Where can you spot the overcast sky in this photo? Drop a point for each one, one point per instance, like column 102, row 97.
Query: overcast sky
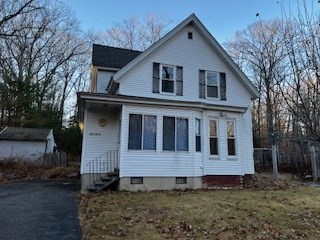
column 221, row 17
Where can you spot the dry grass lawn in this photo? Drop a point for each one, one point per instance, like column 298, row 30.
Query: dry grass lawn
column 11, row 171
column 292, row 213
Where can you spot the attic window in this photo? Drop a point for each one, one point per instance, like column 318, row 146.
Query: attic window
column 190, row 35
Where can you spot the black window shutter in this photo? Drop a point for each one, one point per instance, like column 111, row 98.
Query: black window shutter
column 202, row 84
column 223, row 87
column 156, row 78
column 179, row 81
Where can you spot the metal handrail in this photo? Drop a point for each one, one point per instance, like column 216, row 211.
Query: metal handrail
column 105, row 163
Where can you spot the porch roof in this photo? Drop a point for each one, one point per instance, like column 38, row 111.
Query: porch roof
column 103, row 98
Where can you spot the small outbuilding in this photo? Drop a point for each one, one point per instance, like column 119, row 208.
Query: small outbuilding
column 26, row 144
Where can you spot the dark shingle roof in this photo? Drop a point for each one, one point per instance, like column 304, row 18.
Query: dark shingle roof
column 112, row 57
column 24, row 134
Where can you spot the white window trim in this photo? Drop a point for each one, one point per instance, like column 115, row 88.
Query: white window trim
column 175, row 134
column 217, row 156
column 196, row 135
column 174, row 79
column 218, row 85
column 142, row 133
column 232, row 157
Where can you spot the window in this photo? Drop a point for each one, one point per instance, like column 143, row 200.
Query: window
column 198, row 134
column 168, row 74
column 212, row 82
column 212, row 85
column 213, row 137
column 142, row 132
column 169, row 133
column 231, row 138
column 190, row 36
column 175, row 134
column 167, row 79
column 136, row 180
column 181, row 180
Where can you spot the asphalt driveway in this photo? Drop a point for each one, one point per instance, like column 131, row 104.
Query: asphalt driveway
column 39, row 210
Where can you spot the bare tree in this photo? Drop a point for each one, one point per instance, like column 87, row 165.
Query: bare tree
column 259, row 50
column 11, row 11
column 134, row 34
column 302, row 87
column 33, row 60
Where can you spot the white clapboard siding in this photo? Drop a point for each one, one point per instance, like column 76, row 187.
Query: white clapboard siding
column 103, row 78
column 192, row 55
column 22, row 150
column 247, row 143
column 191, row 163
column 159, row 162
column 50, row 142
column 222, row 164
column 98, row 140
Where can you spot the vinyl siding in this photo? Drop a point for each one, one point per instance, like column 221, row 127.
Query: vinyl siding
column 50, row 142
column 22, row 150
column 103, row 78
column 98, row 140
column 192, row 55
column 158, row 162
column 247, row 143
column 168, row 164
column 222, row 164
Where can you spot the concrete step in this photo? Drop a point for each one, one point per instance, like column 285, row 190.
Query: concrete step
column 106, row 178
column 113, row 174
column 92, row 188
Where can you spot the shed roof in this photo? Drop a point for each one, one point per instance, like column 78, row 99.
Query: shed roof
column 24, row 134
column 112, row 57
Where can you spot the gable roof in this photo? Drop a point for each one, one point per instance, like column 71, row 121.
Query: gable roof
column 112, row 57
column 192, row 19
column 24, row 134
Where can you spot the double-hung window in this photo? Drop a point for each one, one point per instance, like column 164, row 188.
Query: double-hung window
column 142, row 132
column 168, row 78
column 212, row 84
column 198, row 134
column 175, row 134
column 231, row 138
column 213, row 137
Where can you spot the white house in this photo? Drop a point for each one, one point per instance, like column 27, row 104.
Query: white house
column 27, row 144
column 177, row 115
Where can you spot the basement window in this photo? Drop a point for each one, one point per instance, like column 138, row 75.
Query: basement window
column 190, row 35
column 181, row 180
column 137, row 180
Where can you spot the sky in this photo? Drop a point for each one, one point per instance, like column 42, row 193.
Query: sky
column 221, row 17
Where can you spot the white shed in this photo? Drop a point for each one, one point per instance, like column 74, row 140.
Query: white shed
column 26, row 143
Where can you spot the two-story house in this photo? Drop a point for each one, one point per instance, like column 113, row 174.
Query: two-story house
column 177, row 115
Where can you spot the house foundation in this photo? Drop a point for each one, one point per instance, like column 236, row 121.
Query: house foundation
column 160, row 183
column 222, row 181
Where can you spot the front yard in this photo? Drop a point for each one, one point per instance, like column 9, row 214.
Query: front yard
column 292, row 213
